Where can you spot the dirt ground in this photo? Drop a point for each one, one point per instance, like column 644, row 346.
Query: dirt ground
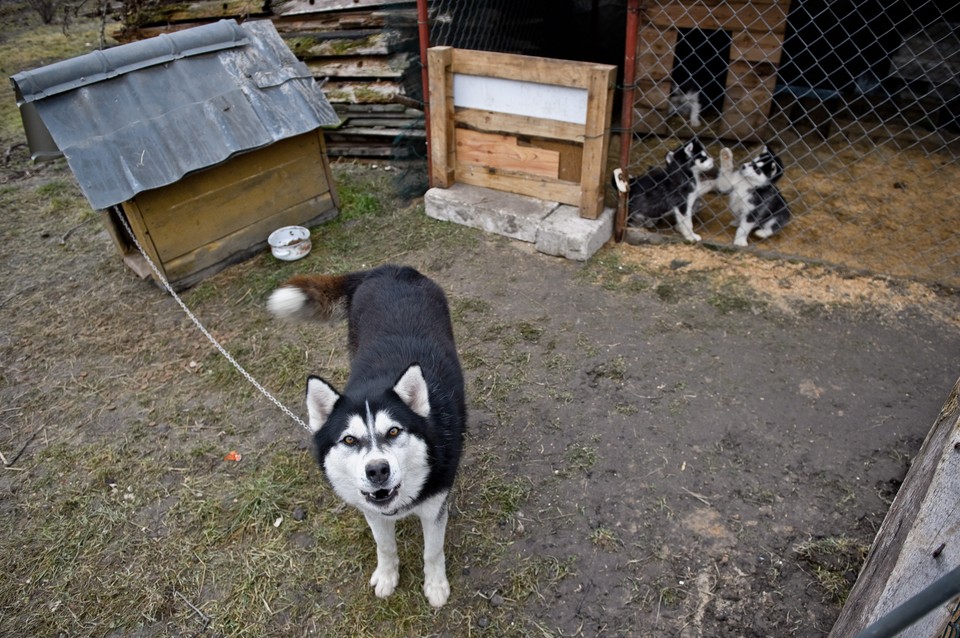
column 664, row 441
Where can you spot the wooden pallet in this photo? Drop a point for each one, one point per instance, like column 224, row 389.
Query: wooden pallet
column 527, row 151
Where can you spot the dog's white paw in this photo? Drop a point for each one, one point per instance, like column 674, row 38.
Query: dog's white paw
column 384, row 581
column 726, row 158
column 437, row 590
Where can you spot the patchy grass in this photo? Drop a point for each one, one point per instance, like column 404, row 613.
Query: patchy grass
column 835, row 562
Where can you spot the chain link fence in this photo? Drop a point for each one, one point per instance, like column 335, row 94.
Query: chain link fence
column 860, row 100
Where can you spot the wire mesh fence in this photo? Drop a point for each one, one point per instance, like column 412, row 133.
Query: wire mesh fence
column 858, row 99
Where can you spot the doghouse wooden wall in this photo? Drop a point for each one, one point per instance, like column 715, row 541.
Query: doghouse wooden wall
column 756, row 34
column 222, row 215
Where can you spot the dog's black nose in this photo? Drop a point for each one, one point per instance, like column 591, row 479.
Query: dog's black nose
column 378, row 472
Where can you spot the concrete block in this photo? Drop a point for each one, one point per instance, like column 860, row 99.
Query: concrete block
column 565, row 234
column 514, row 216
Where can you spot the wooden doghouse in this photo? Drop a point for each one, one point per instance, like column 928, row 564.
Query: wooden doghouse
column 203, row 141
column 521, row 124
column 754, row 33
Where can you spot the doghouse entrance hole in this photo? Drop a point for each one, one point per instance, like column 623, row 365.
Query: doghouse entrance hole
column 701, row 59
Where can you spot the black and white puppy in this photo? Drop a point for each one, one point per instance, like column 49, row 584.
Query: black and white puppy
column 668, row 192
column 390, row 443
column 757, row 204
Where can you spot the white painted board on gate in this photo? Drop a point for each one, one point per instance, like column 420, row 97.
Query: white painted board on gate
column 516, row 97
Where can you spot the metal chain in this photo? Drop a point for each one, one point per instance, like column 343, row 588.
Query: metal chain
column 203, row 330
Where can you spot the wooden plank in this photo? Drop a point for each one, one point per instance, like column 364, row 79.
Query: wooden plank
column 300, row 7
column 200, row 10
column 355, row 91
column 531, row 69
column 518, row 124
column 503, row 153
column 442, row 149
column 653, row 94
column 600, row 91
column 310, row 44
column 756, row 46
column 369, row 66
column 216, row 202
column 919, row 540
column 655, row 49
column 571, row 156
column 728, row 16
column 247, row 240
column 346, row 20
column 381, row 131
column 549, row 190
column 134, row 215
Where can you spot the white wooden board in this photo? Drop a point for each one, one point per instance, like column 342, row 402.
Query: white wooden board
column 546, row 101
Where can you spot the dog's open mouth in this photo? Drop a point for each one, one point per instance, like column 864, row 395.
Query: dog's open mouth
column 382, row 497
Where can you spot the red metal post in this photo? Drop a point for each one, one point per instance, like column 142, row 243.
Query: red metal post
column 626, row 109
column 423, row 28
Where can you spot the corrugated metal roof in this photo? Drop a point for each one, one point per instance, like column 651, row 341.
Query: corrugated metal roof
column 143, row 115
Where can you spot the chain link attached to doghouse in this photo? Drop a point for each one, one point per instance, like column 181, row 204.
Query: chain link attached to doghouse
column 166, row 284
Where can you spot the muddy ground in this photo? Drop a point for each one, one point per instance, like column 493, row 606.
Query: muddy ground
column 664, row 441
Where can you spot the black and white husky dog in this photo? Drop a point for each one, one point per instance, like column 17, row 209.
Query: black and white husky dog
column 668, row 191
column 755, row 201
column 390, row 443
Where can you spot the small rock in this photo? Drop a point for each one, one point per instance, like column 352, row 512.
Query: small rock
column 496, row 601
column 299, row 514
column 483, row 622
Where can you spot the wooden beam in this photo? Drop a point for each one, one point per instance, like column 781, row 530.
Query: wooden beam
column 600, row 97
column 533, row 69
column 442, row 149
column 919, row 540
column 519, row 125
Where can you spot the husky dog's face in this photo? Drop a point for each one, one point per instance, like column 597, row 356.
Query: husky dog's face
column 692, row 154
column 371, row 451
column 766, row 168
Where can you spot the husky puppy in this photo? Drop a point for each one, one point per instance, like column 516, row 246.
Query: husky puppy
column 669, row 191
column 390, row 442
column 755, row 201
column 687, row 104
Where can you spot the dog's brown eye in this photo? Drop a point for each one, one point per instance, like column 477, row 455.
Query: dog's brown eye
column 393, row 432
column 349, row 440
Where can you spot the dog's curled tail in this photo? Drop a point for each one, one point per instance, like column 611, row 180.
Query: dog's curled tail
column 318, row 297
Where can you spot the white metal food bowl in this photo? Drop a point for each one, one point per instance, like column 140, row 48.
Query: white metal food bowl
column 290, row 243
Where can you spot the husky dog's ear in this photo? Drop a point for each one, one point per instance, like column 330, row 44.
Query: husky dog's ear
column 321, row 397
column 669, row 157
column 412, row 390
